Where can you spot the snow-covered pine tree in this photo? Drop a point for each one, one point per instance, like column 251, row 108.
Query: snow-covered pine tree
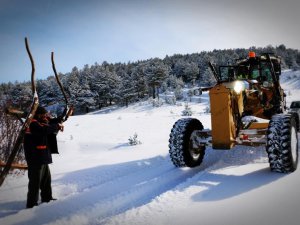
column 178, row 68
column 191, row 72
column 140, row 83
column 81, row 95
column 127, row 91
column 105, row 85
column 208, row 78
column 156, row 72
column 134, row 140
column 187, row 110
column 48, row 90
column 20, row 95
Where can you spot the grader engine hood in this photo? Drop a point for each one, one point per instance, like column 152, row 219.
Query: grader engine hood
column 226, row 101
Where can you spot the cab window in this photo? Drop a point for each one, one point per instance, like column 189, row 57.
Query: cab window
column 254, row 72
column 265, row 72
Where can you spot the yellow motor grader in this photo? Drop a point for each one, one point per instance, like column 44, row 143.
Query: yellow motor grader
column 247, row 108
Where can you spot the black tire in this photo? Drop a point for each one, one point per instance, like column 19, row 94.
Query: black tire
column 297, row 121
column 282, row 143
column 181, row 150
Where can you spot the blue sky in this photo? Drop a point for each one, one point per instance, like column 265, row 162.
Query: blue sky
column 87, row 31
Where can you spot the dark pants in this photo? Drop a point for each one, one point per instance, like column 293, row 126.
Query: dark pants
column 39, row 178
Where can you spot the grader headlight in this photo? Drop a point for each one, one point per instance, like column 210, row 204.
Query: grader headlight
column 238, row 86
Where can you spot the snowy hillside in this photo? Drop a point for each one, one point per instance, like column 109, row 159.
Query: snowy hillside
column 99, row 178
column 291, row 84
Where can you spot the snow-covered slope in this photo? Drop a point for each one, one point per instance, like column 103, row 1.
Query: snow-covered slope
column 99, row 179
column 291, row 84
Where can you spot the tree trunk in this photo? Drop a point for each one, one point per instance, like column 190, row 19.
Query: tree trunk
column 153, row 91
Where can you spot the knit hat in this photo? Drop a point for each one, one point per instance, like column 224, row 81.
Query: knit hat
column 41, row 110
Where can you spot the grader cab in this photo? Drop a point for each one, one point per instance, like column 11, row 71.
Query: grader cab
column 247, row 108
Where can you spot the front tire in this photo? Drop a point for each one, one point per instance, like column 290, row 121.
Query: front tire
column 282, row 143
column 182, row 151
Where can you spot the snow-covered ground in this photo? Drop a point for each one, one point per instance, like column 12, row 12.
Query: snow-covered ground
column 99, row 178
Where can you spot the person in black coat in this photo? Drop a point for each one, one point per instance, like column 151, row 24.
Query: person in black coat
column 39, row 143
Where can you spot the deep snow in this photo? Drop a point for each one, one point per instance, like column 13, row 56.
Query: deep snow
column 99, row 179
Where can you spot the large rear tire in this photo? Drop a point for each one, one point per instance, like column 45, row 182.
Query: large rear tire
column 282, row 143
column 181, row 148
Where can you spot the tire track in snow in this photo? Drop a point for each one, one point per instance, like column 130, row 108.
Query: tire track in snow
column 93, row 177
column 139, row 189
column 213, row 161
column 128, row 192
column 135, row 186
column 93, row 204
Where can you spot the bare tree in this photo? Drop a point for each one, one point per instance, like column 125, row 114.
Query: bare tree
column 9, row 129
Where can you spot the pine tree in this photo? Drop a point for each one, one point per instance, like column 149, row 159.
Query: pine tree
column 104, row 84
column 127, row 91
column 156, row 72
column 191, row 72
column 208, row 78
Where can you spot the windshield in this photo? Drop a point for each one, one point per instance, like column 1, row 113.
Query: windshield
column 260, row 73
column 295, row 105
column 229, row 73
column 265, row 72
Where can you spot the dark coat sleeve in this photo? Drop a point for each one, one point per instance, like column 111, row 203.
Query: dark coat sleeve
column 37, row 128
column 40, row 142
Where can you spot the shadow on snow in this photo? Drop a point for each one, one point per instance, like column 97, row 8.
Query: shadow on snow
column 108, row 190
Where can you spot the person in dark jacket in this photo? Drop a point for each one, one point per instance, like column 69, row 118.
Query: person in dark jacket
column 39, row 143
